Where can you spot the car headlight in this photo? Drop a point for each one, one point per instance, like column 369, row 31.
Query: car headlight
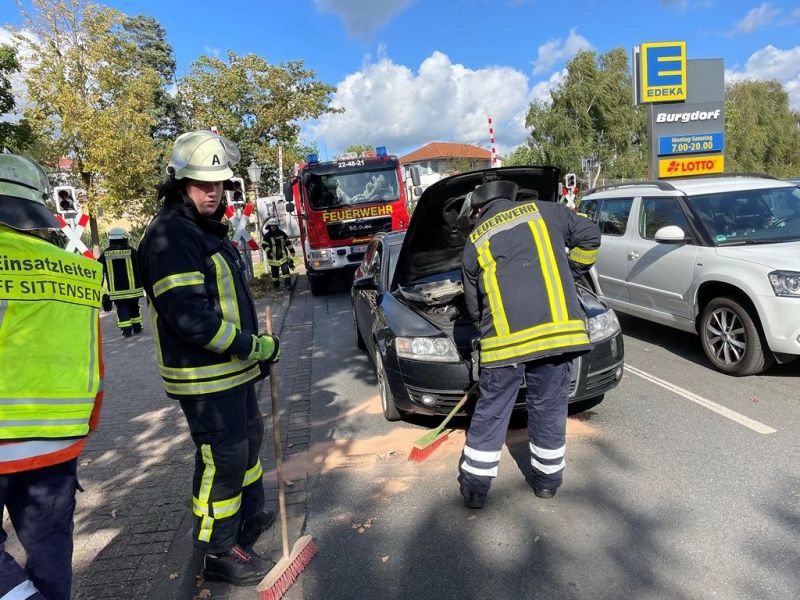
column 602, row 326
column 428, row 349
column 785, row 283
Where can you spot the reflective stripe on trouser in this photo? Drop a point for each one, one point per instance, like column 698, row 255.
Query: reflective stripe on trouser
column 547, row 399
column 280, row 272
column 41, row 504
column 498, row 389
column 227, row 432
column 127, row 313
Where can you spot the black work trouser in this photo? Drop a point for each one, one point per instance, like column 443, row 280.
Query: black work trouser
column 40, row 504
column 128, row 316
column 280, row 271
column 547, row 397
column 227, row 490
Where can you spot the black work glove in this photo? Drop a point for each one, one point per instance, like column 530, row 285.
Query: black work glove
column 107, row 305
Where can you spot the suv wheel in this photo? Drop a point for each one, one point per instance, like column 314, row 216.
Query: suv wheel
column 732, row 340
column 390, row 411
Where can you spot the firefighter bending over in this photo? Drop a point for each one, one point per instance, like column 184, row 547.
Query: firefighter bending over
column 518, row 287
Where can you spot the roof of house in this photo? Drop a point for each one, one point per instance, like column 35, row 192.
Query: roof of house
column 446, row 150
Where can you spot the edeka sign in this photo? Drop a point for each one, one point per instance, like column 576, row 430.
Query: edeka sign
column 691, row 166
column 663, row 72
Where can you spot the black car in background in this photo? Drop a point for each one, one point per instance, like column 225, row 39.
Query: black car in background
column 409, row 312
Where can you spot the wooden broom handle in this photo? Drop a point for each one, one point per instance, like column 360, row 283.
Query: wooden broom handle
column 276, row 430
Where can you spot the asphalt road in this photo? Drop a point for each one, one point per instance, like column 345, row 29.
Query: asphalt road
column 683, row 483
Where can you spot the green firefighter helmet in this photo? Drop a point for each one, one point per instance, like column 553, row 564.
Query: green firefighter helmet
column 117, row 233
column 203, row 156
column 25, row 195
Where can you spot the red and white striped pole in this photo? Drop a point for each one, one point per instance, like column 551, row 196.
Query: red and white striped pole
column 491, row 138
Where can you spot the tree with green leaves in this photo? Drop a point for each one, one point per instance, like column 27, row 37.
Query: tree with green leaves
column 591, row 115
column 256, row 104
column 14, row 135
column 762, row 131
column 92, row 93
column 359, row 148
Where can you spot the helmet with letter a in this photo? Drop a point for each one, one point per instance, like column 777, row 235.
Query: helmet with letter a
column 203, row 156
column 26, row 202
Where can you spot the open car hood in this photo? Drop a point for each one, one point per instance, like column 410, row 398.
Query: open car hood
column 435, row 239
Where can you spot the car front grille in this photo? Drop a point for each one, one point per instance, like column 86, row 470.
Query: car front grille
column 344, row 230
column 599, row 380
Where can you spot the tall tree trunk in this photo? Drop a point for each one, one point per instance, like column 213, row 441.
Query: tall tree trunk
column 94, row 235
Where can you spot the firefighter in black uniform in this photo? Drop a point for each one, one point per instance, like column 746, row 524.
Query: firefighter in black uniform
column 210, row 353
column 121, row 275
column 518, row 286
column 279, row 253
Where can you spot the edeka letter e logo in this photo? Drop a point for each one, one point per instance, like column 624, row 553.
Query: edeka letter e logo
column 663, row 71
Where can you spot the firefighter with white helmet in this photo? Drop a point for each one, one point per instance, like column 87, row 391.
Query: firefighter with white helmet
column 211, row 355
column 41, row 436
column 121, row 276
column 279, row 251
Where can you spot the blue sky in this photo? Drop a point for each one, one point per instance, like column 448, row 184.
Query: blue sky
column 414, row 71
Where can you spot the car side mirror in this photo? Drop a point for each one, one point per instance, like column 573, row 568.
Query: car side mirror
column 415, row 176
column 365, row 283
column 288, row 196
column 671, row 234
column 290, row 207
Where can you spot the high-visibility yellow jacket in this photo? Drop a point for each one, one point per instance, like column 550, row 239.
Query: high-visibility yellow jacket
column 518, row 280
column 120, row 271
column 51, row 366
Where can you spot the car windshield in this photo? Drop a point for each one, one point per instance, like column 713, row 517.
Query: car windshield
column 348, row 189
column 765, row 216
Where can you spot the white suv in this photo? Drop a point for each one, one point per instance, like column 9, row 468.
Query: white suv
column 717, row 256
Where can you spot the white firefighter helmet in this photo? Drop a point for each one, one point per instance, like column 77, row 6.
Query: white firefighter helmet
column 117, row 233
column 203, row 156
column 25, row 195
column 272, row 221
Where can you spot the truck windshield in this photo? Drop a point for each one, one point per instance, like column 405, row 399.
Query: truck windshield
column 765, row 216
column 348, row 189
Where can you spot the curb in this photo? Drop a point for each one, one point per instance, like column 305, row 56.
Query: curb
column 181, row 557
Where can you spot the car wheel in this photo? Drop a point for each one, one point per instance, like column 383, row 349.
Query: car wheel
column 318, row 285
column 359, row 339
column 390, row 411
column 732, row 340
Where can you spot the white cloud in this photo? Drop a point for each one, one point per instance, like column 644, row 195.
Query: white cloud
column 773, row 63
column 25, row 60
column 541, row 91
column 362, row 19
column 559, row 51
column 389, row 104
column 211, row 51
column 758, row 17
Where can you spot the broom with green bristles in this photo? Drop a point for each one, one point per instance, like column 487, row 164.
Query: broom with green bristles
column 428, row 443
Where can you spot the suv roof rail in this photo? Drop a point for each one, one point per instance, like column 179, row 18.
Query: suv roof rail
column 755, row 175
column 662, row 185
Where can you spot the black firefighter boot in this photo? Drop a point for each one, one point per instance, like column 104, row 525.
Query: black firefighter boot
column 127, row 332
column 137, row 328
column 253, row 528
column 237, row 566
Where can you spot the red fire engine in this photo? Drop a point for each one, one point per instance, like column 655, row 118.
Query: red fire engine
column 341, row 204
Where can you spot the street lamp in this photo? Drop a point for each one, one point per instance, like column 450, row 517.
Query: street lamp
column 254, row 174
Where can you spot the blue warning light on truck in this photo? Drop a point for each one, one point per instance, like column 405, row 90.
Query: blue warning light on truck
column 691, row 143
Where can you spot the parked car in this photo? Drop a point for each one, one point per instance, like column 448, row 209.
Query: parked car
column 716, row 256
column 409, row 312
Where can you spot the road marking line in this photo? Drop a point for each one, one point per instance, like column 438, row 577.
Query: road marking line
column 713, row 406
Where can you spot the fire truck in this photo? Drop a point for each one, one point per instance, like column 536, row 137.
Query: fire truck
column 340, row 205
